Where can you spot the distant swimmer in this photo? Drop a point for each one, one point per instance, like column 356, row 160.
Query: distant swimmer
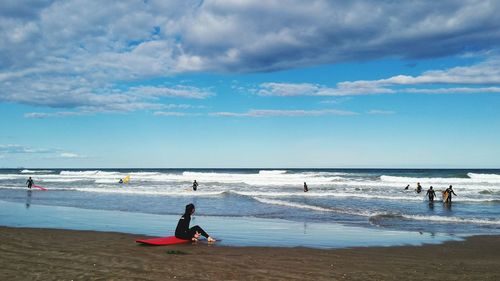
column 305, row 187
column 120, row 181
column 30, row 182
column 419, row 187
column 184, row 232
column 195, row 185
column 449, row 191
column 431, row 194
column 408, row 186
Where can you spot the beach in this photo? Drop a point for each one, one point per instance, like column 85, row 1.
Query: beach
column 54, row 254
column 350, row 225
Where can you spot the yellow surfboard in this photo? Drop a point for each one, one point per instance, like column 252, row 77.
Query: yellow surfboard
column 126, row 179
column 446, row 194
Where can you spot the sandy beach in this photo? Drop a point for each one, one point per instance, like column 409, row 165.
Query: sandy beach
column 51, row 254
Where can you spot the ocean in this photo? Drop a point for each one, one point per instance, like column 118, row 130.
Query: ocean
column 370, row 199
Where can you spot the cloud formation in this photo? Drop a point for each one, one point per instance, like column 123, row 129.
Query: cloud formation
column 20, row 149
column 73, row 54
column 16, row 149
column 283, row 113
column 457, row 80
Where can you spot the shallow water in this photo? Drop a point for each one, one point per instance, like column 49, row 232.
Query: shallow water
column 366, row 198
column 233, row 231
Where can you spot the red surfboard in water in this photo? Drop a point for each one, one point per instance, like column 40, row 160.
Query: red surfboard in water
column 162, row 241
column 39, row 187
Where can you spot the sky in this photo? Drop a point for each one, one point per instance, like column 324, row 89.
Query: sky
column 249, row 84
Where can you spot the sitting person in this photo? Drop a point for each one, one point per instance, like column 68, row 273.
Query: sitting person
column 184, row 232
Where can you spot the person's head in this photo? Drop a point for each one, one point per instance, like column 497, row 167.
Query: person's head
column 189, row 209
column 431, row 187
column 451, row 186
column 194, row 180
column 30, row 177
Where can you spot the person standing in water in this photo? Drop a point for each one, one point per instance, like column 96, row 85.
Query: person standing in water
column 419, row 187
column 431, row 194
column 305, row 187
column 195, row 185
column 182, row 231
column 30, row 182
column 450, row 191
column 408, row 186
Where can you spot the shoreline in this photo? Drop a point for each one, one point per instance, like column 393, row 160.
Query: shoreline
column 58, row 254
column 243, row 231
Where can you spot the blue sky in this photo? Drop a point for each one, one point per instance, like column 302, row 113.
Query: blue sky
column 250, row 84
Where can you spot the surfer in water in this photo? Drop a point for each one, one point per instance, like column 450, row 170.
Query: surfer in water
column 450, row 191
column 30, row 182
column 419, row 187
column 431, row 194
column 195, row 185
column 184, row 232
column 306, row 189
column 408, row 186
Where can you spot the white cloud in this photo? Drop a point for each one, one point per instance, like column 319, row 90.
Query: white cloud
column 21, row 149
column 283, row 113
column 179, row 91
column 381, row 112
column 67, row 53
column 486, row 72
column 69, row 155
column 306, row 89
column 42, row 115
column 457, row 80
column 172, row 113
column 16, row 150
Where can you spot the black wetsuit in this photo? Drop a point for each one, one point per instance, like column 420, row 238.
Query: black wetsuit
column 195, row 186
column 184, row 232
column 30, row 183
column 305, row 188
column 450, row 191
column 431, row 194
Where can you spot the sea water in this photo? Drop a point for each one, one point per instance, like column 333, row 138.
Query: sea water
column 366, row 199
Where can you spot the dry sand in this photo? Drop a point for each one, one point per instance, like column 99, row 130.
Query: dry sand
column 48, row 254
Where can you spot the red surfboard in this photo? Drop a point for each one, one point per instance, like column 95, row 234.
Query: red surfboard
column 170, row 240
column 39, row 187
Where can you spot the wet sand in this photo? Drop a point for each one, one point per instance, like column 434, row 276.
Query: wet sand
column 51, row 254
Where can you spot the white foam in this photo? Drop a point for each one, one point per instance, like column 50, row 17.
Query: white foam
column 88, row 173
column 106, row 181
column 122, row 190
column 452, row 219
column 261, row 179
column 272, row 172
column 59, row 180
column 446, row 181
column 373, row 214
column 315, row 208
column 329, row 194
column 292, row 204
column 35, row 171
column 9, row 177
column 494, row 177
